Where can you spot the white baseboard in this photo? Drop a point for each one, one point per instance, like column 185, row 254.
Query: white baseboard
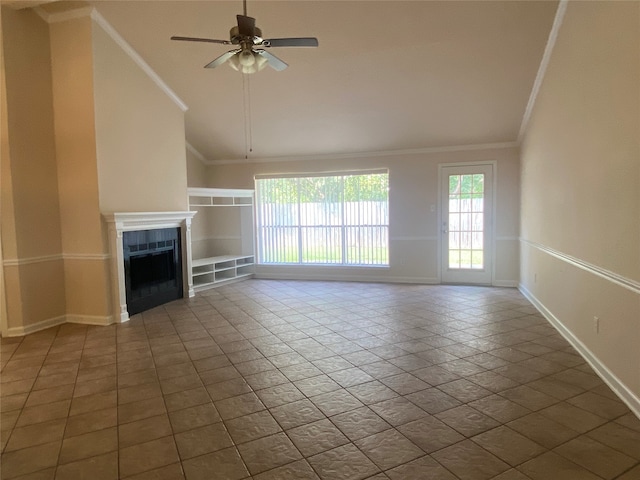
column 54, row 322
column 332, row 277
column 91, row 319
column 35, row 327
column 618, row 387
column 505, row 283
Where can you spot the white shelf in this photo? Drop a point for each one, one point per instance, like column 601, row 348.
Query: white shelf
column 210, row 271
column 221, row 230
column 218, row 197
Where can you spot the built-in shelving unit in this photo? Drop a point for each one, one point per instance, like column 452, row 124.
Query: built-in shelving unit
column 222, row 239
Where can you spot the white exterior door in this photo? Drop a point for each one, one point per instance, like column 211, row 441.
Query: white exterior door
column 467, row 224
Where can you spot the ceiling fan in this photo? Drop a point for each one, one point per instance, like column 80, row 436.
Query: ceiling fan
column 251, row 56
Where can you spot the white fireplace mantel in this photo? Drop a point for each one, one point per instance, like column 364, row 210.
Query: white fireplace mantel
column 120, row 222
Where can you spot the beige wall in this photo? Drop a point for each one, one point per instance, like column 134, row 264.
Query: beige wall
column 196, row 171
column 75, row 126
column 414, row 229
column 580, row 196
column 31, row 234
column 139, row 136
column 84, row 131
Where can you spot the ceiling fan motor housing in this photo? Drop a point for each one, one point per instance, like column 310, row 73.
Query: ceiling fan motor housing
column 236, row 38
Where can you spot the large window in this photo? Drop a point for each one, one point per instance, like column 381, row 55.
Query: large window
column 336, row 219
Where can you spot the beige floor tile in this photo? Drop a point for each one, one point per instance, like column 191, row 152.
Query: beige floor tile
column 317, row 437
column 251, row 427
column 618, row 437
column 596, row 457
column 36, row 434
column 542, row 430
column 280, row 395
column 398, row 411
column 632, row 474
column 131, row 412
column 467, row 421
column 297, row 413
column 238, row 406
column 147, row 456
column 268, row 453
column 529, row 398
column 388, row 449
column 421, row 469
column 509, row 445
column 228, row 389
column 305, row 357
column 469, row 461
column 430, row 434
column 345, row 463
column 333, row 403
column 101, row 467
column 203, row 440
column 169, row 472
column 29, row 460
column 573, row 417
column 186, row 399
column 91, row 421
column 89, row 445
column 91, row 403
column 360, row 423
column 499, row 408
column 49, row 395
column 43, row 413
column 599, row 405
column 142, row 431
column 193, row 417
column 433, row 400
column 550, row 465
column 299, row 470
column 221, row 465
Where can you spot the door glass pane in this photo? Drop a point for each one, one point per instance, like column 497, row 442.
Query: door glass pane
column 466, row 221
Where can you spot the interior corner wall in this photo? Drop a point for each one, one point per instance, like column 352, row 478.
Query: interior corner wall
column 580, row 202
column 196, row 171
column 33, row 265
column 414, row 230
column 84, row 248
column 140, row 137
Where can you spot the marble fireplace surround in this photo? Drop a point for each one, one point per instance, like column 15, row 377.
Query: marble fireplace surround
column 120, row 222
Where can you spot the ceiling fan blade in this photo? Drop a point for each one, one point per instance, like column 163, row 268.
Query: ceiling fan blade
column 274, row 62
column 221, row 59
column 246, row 25
column 196, row 39
column 291, row 42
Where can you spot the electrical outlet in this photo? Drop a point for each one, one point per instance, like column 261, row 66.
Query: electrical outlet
column 596, row 324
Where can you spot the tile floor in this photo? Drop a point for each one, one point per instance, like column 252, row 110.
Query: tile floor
column 285, row 380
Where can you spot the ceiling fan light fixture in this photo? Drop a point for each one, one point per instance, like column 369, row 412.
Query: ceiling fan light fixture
column 247, row 62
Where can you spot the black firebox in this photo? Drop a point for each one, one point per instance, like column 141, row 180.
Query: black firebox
column 152, row 268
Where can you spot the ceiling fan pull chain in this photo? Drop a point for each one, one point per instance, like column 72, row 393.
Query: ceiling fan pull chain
column 246, row 100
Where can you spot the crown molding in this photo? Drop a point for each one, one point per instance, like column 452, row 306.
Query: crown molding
column 58, row 17
column 118, row 39
column 128, row 49
column 542, row 69
column 197, row 154
column 382, row 153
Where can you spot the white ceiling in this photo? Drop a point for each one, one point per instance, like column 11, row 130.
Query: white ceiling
column 388, row 75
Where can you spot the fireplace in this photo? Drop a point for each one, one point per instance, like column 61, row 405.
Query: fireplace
column 150, row 253
column 152, row 268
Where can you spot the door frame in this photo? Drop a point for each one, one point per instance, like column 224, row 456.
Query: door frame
column 494, row 186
